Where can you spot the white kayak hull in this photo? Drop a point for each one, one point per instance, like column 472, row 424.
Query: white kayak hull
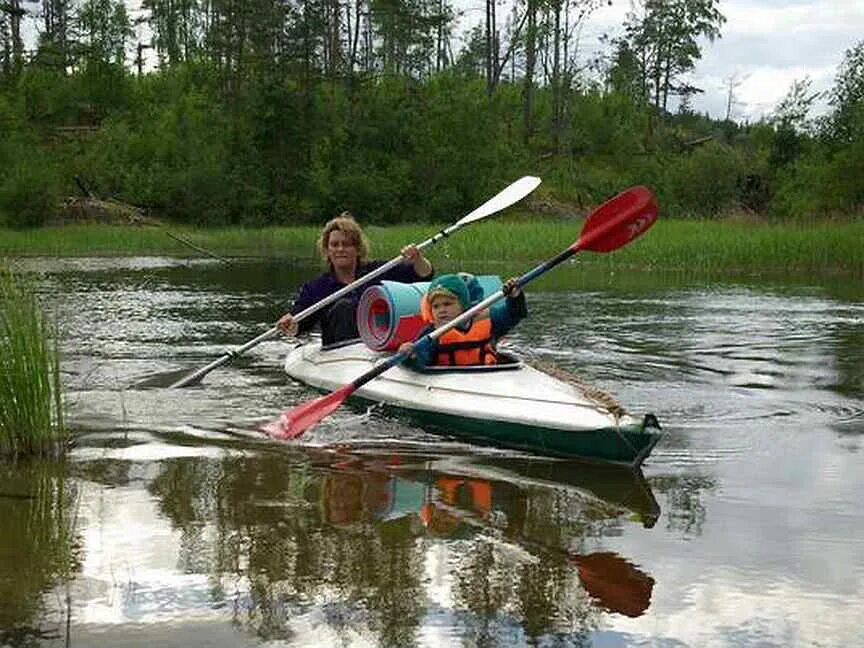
column 519, row 407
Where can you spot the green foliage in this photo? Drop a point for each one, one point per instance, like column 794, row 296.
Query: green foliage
column 610, row 125
column 801, row 190
column 28, row 193
column 105, row 27
column 847, row 96
column 29, row 184
column 793, row 111
column 458, row 160
column 663, row 41
column 704, row 183
column 52, row 99
column 31, row 400
column 822, row 184
column 271, row 117
column 174, row 157
column 826, row 177
column 47, row 96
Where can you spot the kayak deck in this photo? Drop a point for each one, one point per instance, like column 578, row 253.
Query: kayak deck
column 515, row 406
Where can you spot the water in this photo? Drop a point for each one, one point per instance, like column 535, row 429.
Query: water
column 173, row 522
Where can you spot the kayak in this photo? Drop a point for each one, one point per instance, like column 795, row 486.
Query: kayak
column 509, row 405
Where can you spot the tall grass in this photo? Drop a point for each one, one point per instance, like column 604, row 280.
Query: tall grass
column 31, row 398
column 692, row 246
column 700, row 246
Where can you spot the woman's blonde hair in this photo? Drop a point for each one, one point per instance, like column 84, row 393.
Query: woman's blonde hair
column 346, row 224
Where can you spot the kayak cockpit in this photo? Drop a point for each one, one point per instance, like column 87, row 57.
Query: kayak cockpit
column 506, row 362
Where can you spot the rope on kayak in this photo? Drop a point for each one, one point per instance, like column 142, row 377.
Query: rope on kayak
column 594, row 394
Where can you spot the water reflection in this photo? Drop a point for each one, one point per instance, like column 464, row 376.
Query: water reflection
column 39, row 547
column 392, row 549
column 192, row 532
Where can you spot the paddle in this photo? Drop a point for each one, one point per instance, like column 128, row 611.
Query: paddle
column 612, row 581
column 611, row 226
column 615, row 583
column 508, row 196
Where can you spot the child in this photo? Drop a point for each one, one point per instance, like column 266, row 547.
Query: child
column 472, row 342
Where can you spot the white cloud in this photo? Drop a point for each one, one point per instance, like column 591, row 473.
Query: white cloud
column 767, row 44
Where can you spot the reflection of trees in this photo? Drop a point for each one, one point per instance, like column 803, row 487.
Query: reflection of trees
column 685, row 511
column 540, row 592
column 550, row 597
column 103, row 471
column 267, row 531
column 38, row 545
column 503, row 593
column 331, row 546
column 848, row 342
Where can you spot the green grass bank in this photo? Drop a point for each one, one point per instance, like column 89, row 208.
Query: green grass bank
column 674, row 245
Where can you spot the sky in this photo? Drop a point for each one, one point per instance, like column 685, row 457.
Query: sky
column 765, row 45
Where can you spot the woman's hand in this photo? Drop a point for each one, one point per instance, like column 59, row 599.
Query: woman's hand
column 414, row 257
column 410, row 253
column 511, row 288
column 288, row 325
column 407, row 348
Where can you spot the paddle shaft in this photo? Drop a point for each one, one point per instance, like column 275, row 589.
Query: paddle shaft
column 427, row 339
column 306, row 312
column 505, row 198
column 594, row 236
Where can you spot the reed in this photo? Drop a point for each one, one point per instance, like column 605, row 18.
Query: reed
column 698, row 246
column 31, row 398
column 691, row 246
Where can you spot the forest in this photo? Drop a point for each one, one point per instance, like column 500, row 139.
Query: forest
column 283, row 112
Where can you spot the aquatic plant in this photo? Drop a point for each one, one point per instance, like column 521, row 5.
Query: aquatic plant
column 31, row 398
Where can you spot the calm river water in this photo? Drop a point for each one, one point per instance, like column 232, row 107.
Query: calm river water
column 173, row 522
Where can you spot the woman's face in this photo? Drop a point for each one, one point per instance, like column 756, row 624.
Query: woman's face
column 341, row 251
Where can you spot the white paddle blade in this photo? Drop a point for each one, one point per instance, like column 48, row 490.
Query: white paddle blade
column 509, row 196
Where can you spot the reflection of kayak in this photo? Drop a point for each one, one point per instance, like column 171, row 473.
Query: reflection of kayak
column 453, row 501
column 614, row 487
column 510, row 405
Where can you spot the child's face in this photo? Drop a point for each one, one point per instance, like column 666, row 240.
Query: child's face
column 445, row 309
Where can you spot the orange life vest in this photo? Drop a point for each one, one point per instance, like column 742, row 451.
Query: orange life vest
column 472, row 347
column 480, row 492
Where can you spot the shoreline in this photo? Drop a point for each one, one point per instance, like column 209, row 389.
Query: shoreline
column 830, row 249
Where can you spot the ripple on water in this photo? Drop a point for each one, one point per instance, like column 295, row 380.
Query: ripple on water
column 145, row 452
column 102, row 264
column 757, row 475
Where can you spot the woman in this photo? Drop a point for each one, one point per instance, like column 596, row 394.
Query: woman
column 344, row 247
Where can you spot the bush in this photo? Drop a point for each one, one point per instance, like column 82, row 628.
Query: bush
column 29, row 192
column 704, row 183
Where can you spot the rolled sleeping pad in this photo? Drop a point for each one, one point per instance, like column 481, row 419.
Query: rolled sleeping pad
column 389, row 313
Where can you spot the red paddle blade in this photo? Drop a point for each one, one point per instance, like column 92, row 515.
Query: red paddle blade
column 619, row 220
column 615, row 583
column 295, row 422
